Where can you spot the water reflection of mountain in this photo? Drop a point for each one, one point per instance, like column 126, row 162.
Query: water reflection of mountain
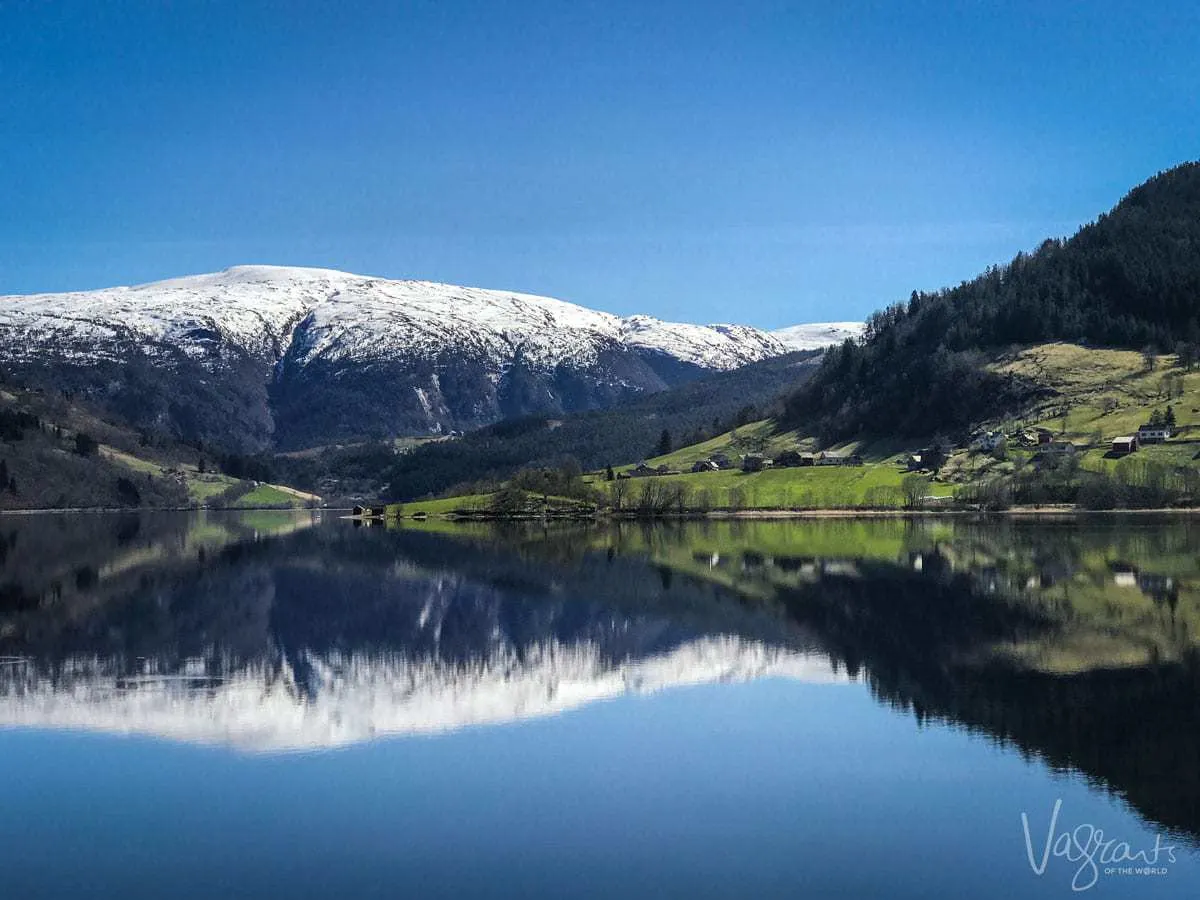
column 300, row 637
column 1073, row 641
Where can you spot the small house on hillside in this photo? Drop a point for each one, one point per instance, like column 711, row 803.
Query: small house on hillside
column 1054, row 450
column 790, row 459
column 838, row 459
column 1153, row 434
column 704, row 465
column 987, row 441
column 641, row 470
column 1125, row 445
column 752, row 462
column 722, row 461
column 1037, row 436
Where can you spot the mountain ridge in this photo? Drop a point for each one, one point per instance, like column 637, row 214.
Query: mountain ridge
column 274, row 357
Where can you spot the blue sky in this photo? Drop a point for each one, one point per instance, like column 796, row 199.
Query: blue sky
column 761, row 162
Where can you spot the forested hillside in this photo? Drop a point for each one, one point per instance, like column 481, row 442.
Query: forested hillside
column 1130, row 279
column 57, row 453
column 682, row 415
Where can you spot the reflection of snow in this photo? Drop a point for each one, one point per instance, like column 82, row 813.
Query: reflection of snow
column 350, row 699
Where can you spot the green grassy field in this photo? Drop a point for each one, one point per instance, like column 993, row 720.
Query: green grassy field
column 1095, row 396
column 814, row 487
column 1106, row 393
column 203, row 487
column 468, row 503
column 873, row 485
column 267, row 495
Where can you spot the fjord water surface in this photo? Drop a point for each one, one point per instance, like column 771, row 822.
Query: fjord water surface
column 287, row 704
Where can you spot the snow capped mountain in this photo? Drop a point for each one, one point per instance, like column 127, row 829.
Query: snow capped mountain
column 355, row 317
column 312, row 355
column 817, row 335
column 710, row 346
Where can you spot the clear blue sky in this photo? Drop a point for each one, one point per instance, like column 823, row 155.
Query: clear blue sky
column 763, row 162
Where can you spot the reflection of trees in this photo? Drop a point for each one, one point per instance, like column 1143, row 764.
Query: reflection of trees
column 922, row 643
column 917, row 608
column 338, row 592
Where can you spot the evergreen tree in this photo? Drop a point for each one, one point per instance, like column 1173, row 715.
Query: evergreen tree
column 1186, row 355
column 664, row 443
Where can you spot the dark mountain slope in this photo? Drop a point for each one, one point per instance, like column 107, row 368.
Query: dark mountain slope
column 1129, row 279
column 692, row 412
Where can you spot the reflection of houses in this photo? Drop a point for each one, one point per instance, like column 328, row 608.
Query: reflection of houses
column 1158, row 587
column 1050, row 573
column 1124, row 575
column 929, row 562
column 1153, row 434
column 752, row 561
column 802, row 564
column 1124, row 445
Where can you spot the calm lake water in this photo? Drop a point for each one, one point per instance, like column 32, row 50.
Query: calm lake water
column 283, row 705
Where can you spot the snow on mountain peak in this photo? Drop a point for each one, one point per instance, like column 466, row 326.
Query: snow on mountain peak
column 312, row 355
column 255, row 307
column 817, row 335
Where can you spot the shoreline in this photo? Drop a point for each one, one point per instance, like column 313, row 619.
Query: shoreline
column 741, row 515
column 785, row 514
column 98, row 510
